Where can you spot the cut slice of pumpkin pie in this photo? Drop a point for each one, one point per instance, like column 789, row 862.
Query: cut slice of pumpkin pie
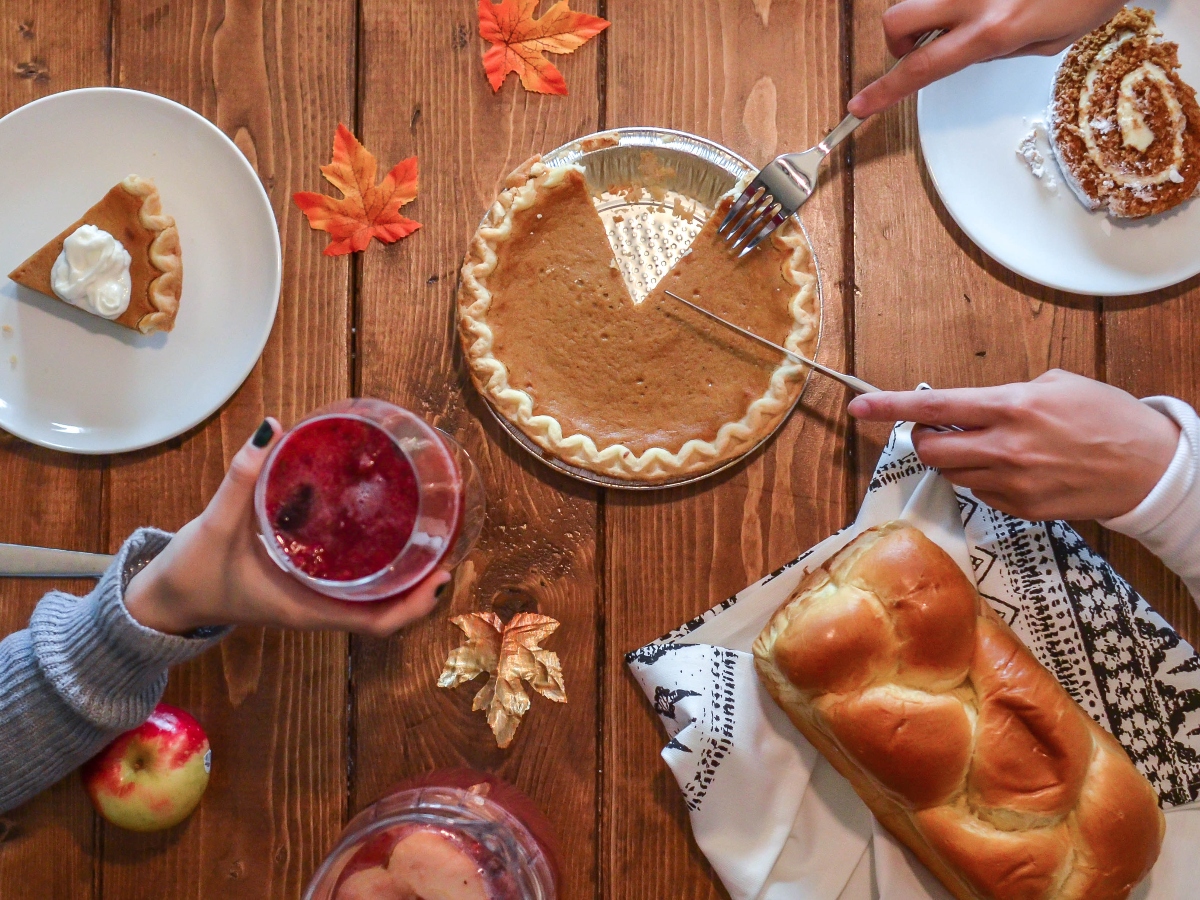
column 120, row 261
column 645, row 392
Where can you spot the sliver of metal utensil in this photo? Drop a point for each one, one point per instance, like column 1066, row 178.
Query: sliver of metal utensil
column 785, row 183
column 19, row 561
column 855, row 384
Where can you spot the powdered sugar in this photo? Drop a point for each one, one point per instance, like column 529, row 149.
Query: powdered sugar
column 1030, row 150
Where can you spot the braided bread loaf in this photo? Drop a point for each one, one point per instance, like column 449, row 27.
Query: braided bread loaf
column 960, row 742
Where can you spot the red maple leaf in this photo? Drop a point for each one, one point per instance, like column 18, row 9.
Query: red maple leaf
column 366, row 209
column 520, row 42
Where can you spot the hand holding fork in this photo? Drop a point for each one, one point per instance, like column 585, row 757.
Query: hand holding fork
column 784, row 184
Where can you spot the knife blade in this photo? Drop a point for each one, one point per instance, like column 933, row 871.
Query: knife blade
column 21, row 561
column 855, row 384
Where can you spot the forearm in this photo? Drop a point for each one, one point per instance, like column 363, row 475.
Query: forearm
column 82, row 673
column 1167, row 522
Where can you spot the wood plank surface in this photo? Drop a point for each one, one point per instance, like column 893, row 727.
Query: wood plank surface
column 276, row 77
column 423, row 91
column 760, row 78
column 47, row 846
column 308, row 729
column 930, row 306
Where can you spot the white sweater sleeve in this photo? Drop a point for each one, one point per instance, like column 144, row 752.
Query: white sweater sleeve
column 1167, row 522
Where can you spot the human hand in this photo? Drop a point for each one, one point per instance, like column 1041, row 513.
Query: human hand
column 215, row 572
column 1059, row 447
column 976, row 31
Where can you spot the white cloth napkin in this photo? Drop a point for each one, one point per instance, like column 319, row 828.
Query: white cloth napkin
column 776, row 820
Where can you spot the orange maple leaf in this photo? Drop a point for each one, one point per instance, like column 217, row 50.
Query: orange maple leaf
column 366, row 209
column 520, row 42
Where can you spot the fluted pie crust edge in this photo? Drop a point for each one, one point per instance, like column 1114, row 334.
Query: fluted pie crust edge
column 522, row 189
column 166, row 255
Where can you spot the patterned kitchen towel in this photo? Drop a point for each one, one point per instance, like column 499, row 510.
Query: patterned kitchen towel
column 809, row 834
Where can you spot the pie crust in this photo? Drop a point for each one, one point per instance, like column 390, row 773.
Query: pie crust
column 704, row 445
column 132, row 213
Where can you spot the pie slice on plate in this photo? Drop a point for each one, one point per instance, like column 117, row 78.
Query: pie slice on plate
column 120, row 261
column 645, row 392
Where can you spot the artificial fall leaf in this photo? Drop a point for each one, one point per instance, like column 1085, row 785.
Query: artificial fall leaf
column 366, row 209
column 520, row 42
column 509, row 653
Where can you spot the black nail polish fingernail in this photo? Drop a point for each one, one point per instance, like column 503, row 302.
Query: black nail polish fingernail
column 263, row 436
column 441, row 591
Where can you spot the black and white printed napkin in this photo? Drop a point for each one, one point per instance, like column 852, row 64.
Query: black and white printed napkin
column 778, row 823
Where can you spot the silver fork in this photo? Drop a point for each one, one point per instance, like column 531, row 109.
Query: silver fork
column 785, row 183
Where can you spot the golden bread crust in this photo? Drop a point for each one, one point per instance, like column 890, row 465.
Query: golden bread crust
column 986, row 769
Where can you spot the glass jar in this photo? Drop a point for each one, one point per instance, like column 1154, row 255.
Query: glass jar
column 458, row 827
column 342, row 487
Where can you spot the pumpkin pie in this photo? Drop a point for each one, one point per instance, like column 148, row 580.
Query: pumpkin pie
column 644, row 392
column 120, row 261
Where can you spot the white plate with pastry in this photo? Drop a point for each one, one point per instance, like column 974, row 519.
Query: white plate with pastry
column 986, row 135
column 145, row 270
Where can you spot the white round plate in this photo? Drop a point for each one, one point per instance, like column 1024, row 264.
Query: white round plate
column 72, row 381
column 971, row 124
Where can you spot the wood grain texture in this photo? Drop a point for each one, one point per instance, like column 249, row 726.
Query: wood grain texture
column 276, row 77
column 423, row 91
column 929, row 305
column 714, row 68
column 47, row 846
column 1152, row 346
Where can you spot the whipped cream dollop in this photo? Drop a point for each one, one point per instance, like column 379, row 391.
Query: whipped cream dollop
column 92, row 272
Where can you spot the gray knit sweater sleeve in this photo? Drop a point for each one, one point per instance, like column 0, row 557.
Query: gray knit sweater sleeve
column 82, row 673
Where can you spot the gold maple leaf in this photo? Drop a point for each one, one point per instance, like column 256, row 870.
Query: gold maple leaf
column 509, row 653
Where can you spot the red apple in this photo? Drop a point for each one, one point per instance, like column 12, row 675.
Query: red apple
column 152, row 777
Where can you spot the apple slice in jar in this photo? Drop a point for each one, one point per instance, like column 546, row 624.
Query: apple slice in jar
column 373, row 883
column 436, row 865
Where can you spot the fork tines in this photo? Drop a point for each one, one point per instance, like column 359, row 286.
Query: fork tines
column 753, row 216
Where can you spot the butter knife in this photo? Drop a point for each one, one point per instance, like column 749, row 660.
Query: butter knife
column 855, row 384
column 20, row 561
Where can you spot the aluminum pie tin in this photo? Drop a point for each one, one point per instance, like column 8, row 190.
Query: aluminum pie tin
column 650, row 230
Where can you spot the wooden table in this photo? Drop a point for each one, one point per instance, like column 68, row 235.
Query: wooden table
column 307, row 729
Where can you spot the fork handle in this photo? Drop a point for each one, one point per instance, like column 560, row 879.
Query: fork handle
column 847, row 125
column 840, row 133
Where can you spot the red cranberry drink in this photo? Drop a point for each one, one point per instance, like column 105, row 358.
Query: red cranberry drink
column 362, row 500
column 342, row 498
column 452, row 835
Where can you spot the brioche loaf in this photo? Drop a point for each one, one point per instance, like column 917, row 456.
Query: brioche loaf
column 960, row 742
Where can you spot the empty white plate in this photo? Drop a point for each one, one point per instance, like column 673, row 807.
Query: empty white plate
column 72, row 381
column 971, row 124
